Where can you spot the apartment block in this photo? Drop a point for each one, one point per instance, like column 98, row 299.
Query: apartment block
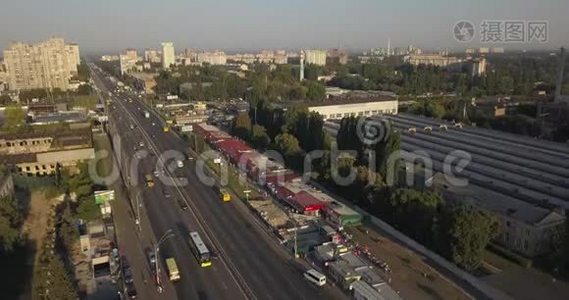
column 316, row 57
column 45, row 65
column 212, row 58
column 168, row 55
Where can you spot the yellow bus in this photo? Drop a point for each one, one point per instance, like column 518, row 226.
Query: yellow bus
column 173, row 272
column 199, row 250
column 149, row 180
column 224, row 195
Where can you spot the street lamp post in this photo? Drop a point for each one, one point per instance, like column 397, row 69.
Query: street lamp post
column 138, row 205
column 165, row 236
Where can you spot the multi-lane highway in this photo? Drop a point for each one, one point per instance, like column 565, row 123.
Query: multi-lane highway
column 249, row 263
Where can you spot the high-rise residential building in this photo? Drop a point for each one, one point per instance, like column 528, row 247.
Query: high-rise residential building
column 46, row 65
column 431, row 59
column 246, row 58
column 168, row 55
column 128, row 60
column 152, row 56
column 338, row 56
column 278, row 57
column 302, row 57
column 213, row 58
column 316, row 57
column 73, row 57
column 478, row 66
column 132, row 54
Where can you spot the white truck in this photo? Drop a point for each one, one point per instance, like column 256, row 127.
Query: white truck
column 146, row 114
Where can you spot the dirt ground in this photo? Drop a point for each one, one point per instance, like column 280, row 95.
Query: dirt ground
column 35, row 225
column 410, row 276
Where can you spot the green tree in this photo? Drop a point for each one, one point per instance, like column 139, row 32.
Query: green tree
column 288, row 146
column 27, row 95
column 10, row 222
column 83, row 71
column 469, row 232
column 385, row 148
column 242, row 126
column 14, row 117
column 84, row 89
column 316, row 90
column 259, row 137
column 5, row 100
column 88, row 210
column 68, row 230
column 414, row 212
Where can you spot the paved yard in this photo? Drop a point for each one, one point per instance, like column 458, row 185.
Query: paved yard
column 522, row 283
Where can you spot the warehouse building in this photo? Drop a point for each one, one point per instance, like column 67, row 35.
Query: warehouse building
column 356, row 104
column 522, row 227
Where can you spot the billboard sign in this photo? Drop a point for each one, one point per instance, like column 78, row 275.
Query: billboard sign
column 104, row 196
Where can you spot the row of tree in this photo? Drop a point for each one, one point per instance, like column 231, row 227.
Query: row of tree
column 512, row 74
column 215, row 82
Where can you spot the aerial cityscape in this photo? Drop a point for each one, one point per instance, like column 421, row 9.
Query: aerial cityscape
column 296, row 150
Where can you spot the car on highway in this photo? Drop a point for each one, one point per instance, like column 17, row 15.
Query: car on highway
column 179, row 164
column 151, row 256
column 182, row 204
column 315, row 277
column 126, row 270
column 172, row 268
column 131, row 291
column 224, row 195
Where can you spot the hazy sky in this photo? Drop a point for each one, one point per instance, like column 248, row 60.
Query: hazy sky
column 112, row 25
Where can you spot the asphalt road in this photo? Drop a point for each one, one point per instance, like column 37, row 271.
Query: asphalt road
column 250, row 263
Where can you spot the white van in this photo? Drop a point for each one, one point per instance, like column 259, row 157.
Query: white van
column 315, row 277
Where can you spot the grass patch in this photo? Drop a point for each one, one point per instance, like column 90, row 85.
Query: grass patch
column 87, row 101
column 509, row 255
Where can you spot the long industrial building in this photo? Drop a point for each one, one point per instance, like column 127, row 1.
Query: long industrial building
column 522, row 181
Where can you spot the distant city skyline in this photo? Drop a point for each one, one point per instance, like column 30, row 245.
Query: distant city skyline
column 107, row 26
